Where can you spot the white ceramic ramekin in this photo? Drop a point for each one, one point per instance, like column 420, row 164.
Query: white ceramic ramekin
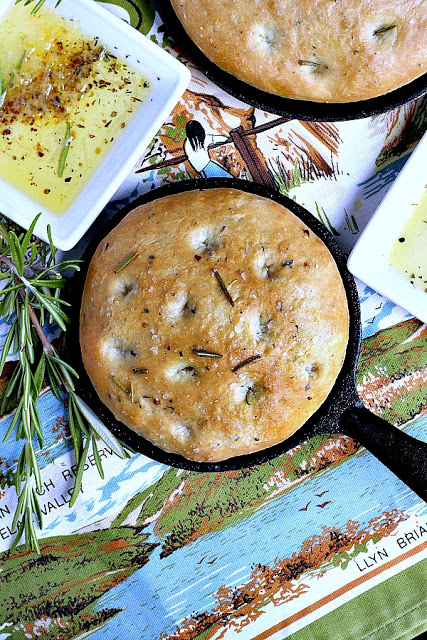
column 168, row 80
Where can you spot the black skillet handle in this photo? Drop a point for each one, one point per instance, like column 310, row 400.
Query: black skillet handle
column 402, row 454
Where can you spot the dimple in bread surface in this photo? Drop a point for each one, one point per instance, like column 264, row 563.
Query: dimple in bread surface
column 175, row 361
column 320, row 50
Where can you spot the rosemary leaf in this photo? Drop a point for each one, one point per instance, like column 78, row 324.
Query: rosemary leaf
column 120, row 385
column 49, row 229
column 39, row 375
column 21, row 61
column 54, row 381
column 204, row 353
column 26, row 241
column 99, row 428
column 82, row 421
column 35, row 419
column 64, row 153
column 18, row 536
column 19, row 508
column 36, row 507
column 63, row 365
column 53, row 311
column 57, row 283
column 38, row 6
column 125, row 262
column 381, row 30
column 12, row 382
column 309, row 63
column 17, row 256
column 6, row 347
column 5, row 89
column 223, row 287
column 15, row 419
column 257, row 356
column 75, row 432
column 35, row 466
column 79, row 474
column 96, row 457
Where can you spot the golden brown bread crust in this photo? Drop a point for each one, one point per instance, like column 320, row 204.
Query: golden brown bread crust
column 142, row 324
column 320, row 50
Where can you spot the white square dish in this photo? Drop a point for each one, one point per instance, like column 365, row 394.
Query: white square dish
column 370, row 258
column 168, row 80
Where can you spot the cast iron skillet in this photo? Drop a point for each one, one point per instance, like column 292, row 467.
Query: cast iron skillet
column 286, row 107
column 342, row 411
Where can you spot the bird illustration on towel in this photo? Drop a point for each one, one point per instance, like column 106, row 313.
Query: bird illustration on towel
column 323, row 505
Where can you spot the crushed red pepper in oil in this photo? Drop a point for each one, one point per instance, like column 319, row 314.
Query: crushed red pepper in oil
column 64, row 100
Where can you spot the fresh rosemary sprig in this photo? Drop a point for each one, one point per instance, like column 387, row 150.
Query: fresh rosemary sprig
column 32, row 281
column 38, row 6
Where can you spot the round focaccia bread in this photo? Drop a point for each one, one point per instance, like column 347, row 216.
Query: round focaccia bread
column 319, row 50
column 213, row 323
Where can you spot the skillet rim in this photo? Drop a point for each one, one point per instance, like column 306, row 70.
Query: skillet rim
column 285, row 107
column 342, row 396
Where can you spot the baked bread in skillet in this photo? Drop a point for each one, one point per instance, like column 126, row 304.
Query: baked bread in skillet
column 319, row 50
column 213, row 323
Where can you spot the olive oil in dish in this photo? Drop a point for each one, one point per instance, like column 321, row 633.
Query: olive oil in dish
column 409, row 252
column 64, row 100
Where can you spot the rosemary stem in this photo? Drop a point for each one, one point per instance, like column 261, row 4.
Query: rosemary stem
column 37, row 326
column 47, row 347
column 9, row 264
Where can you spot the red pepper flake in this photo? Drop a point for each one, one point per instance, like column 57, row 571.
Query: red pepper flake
column 156, row 401
column 144, row 324
column 197, row 258
column 7, row 132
